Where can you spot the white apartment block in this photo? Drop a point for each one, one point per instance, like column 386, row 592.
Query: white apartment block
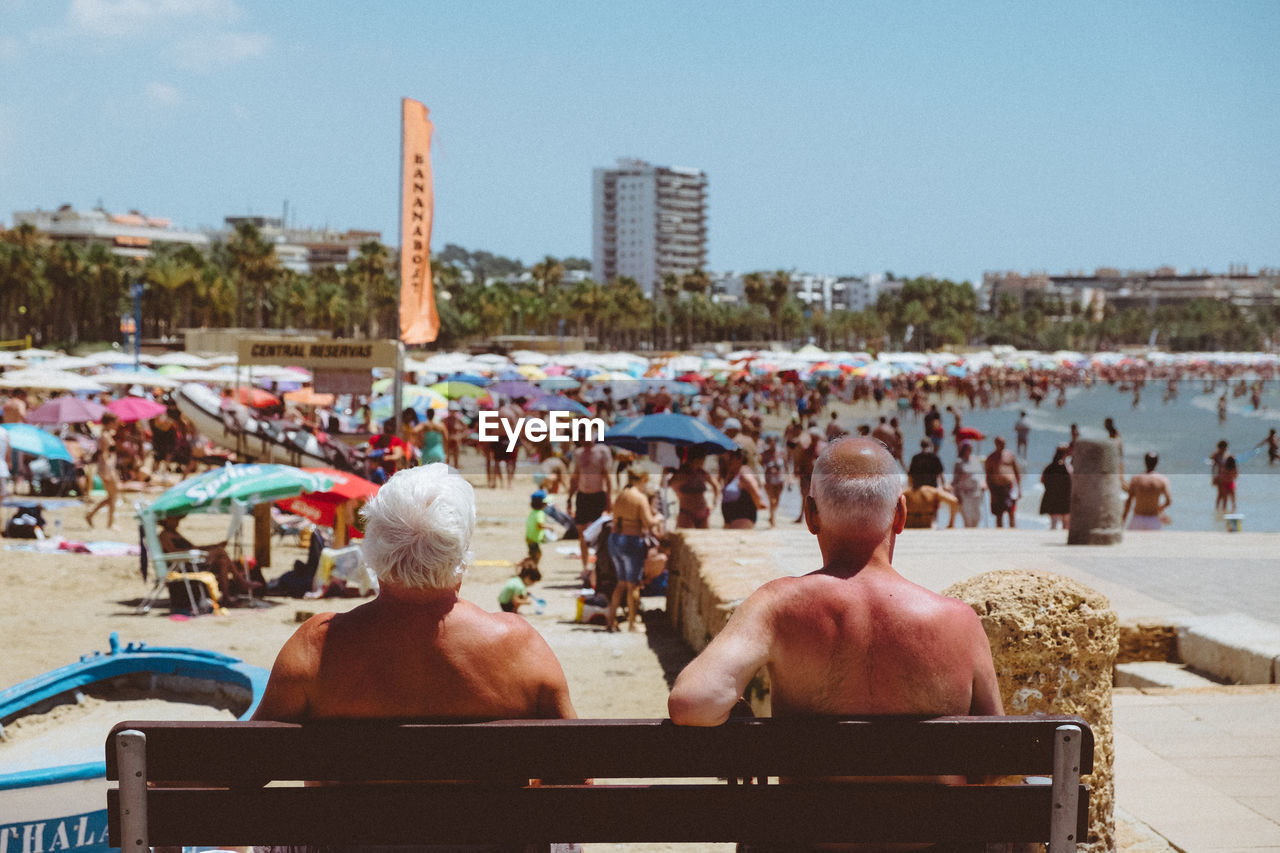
column 130, row 235
column 648, row 221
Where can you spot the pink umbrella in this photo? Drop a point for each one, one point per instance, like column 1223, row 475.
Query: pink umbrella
column 135, row 408
column 66, row 410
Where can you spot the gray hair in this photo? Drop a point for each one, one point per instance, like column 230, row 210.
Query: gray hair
column 849, row 494
column 418, row 528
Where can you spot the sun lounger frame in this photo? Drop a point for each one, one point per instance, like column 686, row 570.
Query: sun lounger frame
column 184, row 783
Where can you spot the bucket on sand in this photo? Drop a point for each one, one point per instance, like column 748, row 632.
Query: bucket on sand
column 1235, row 522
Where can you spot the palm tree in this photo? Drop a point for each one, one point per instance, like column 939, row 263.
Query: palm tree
column 586, row 299
column 695, row 283
column 253, row 264
column 172, row 277
column 369, row 271
column 23, row 285
column 670, row 293
column 779, row 292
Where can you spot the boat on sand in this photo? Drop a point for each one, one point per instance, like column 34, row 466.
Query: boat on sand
column 53, row 731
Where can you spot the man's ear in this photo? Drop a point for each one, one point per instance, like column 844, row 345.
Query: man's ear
column 811, row 515
column 900, row 515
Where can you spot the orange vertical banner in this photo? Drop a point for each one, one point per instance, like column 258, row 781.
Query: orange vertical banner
column 419, row 322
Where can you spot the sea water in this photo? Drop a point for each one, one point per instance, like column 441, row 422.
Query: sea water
column 1184, row 432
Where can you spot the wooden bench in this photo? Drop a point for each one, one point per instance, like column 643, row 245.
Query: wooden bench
column 203, row 783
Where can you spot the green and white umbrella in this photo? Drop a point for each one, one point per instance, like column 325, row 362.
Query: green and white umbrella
column 246, row 484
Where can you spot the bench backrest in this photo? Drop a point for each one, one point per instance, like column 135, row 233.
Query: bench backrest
column 202, row 783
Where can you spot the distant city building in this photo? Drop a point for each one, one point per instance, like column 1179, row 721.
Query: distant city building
column 304, row 250
column 1138, row 288
column 130, row 235
column 648, row 222
column 828, row 292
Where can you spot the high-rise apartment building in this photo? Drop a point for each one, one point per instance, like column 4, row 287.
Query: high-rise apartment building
column 648, row 221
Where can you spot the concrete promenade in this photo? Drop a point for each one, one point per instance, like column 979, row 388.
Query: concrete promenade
column 1198, row 767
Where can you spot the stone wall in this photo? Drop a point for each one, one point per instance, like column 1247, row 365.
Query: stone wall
column 1054, row 643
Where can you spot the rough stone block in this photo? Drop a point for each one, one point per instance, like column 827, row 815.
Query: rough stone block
column 1054, row 643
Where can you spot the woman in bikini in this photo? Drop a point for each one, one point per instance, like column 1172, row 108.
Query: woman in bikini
column 633, row 520
column 105, row 457
column 691, row 481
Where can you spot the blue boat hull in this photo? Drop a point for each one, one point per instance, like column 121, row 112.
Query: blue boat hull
column 62, row 807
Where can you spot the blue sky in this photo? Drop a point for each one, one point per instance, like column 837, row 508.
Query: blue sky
column 944, row 138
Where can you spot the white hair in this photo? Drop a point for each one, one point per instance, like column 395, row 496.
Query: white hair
column 418, row 528
column 854, row 496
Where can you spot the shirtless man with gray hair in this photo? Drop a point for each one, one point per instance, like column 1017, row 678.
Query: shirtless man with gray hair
column 854, row 637
column 417, row 650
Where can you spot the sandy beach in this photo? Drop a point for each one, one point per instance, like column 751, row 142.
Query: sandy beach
column 61, row 606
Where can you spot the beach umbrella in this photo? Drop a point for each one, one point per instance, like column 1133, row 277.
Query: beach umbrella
column 669, row 427
column 308, row 396
column 130, row 409
column 531, row 371
column 468, row 379
column 256, row 397
column 249, row 484
column 146, row 377
column 516, row 388
column 557, row 403
column 50, row 380
column 524, row 356
column 66, row 410
column 321, row 508
column 412, row 397
column 558, row 383
column 27, row 438
column 458, row 389
column 67, row 362
column 182, row 359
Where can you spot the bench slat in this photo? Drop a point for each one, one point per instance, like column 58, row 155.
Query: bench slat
column 399, row 814
column 502, row 750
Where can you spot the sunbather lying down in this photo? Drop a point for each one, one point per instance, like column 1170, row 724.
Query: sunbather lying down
column 233, row 579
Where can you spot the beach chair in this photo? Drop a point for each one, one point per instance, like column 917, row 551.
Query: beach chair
column 285, row 525
column 162, row 565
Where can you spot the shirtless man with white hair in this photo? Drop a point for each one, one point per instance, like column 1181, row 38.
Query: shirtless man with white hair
column 854, row 637
column 417, row 650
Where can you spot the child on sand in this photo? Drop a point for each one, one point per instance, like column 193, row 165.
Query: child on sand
column 515, row 593
column 536, row 525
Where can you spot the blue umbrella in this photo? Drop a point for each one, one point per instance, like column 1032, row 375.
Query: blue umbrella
column 471, row 378
column 680, row 430
column 31, row 439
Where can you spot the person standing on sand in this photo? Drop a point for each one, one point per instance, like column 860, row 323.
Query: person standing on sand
column 854, row 637
column 590, row 488
column 1148, row 498
column 105, row 459
column 417, row 651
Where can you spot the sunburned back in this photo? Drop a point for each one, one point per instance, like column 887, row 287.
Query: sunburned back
column 871, row 644
column 418, row 662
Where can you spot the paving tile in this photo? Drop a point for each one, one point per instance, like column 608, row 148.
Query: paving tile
column 1268, row 807
column 1203, row 742
column 1245, row 785
column 1263, row 767
column 1240, row 829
